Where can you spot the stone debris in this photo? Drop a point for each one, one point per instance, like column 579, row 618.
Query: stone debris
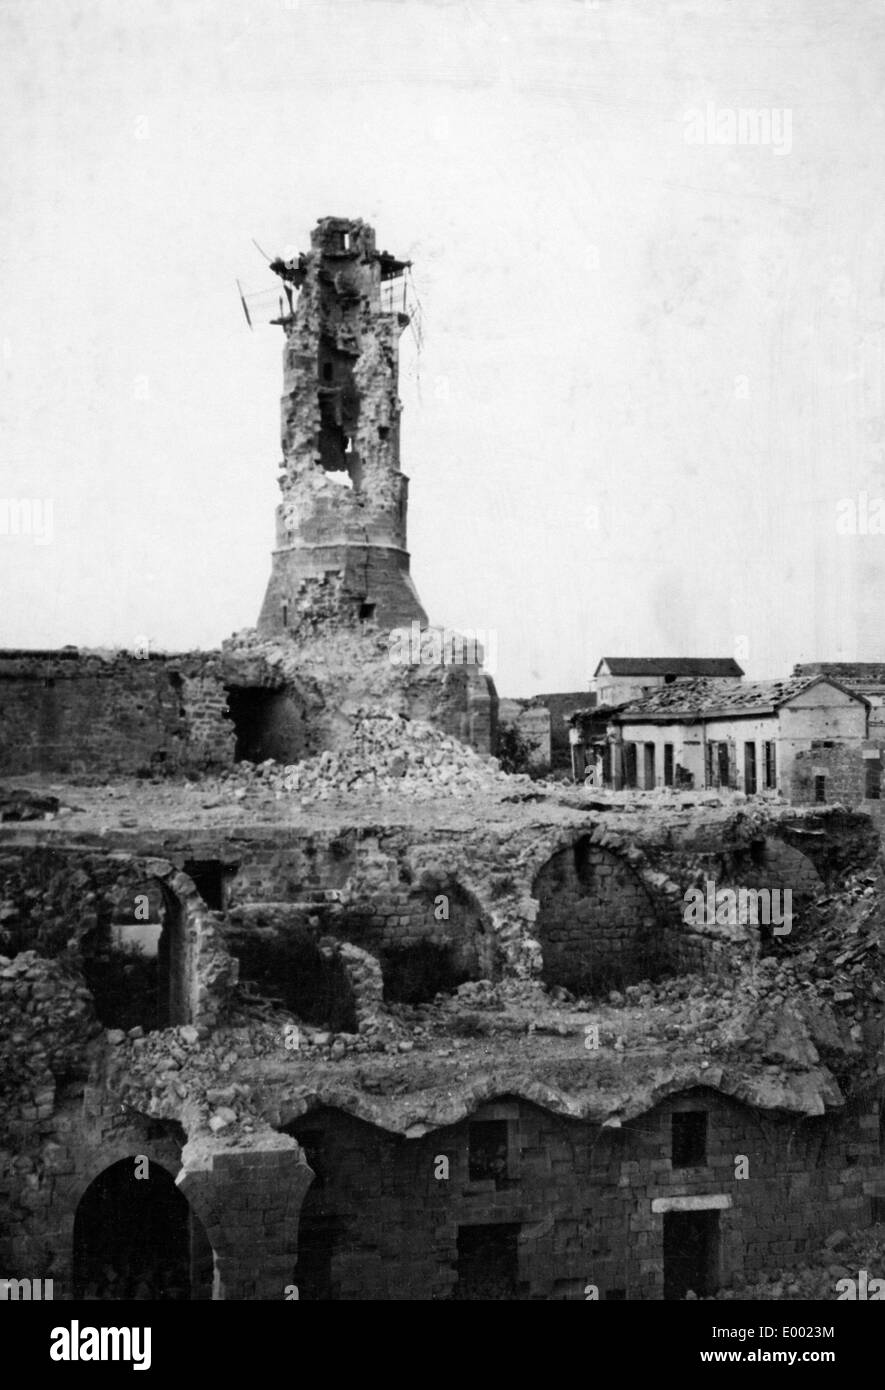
column 386, row 755
column 841, row 1257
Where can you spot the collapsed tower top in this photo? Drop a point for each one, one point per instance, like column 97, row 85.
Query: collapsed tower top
column 340, row 551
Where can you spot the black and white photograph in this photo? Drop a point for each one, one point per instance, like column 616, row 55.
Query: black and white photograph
column 442, row 670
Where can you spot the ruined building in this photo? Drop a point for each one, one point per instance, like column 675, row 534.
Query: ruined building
column 302, row 996
column 341, row 524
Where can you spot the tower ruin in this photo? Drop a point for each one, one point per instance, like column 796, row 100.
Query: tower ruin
column 340, row 552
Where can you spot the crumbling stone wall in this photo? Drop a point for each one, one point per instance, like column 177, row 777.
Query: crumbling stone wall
column 843, row 769
column 60, row 903
column 111, row 714
column 388, row 1214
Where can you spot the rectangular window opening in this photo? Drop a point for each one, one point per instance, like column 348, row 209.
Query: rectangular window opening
column 770, row 765
column 668, row 764
column 750, row 769
column 689, row 1139
column 487, row 1148
column 872, row 780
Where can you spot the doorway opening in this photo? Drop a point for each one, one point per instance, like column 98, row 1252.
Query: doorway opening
column 137, row 1238
column 691, row 1253
column 488, row 1263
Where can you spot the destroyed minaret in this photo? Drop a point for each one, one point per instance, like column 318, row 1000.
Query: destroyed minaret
column 340, row 553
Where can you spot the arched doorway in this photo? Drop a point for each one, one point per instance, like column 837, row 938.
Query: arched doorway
column 137, row 1238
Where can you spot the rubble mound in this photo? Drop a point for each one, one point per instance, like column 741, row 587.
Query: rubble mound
column 388, row 754
column 856, row 1257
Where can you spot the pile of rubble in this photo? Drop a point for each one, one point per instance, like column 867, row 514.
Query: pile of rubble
column 387, row 755
column 844, row 1267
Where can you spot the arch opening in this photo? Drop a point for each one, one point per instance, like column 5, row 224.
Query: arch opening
column 597, row 925
column 138, row 1238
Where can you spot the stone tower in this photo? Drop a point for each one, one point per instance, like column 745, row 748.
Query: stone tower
column 340, row 553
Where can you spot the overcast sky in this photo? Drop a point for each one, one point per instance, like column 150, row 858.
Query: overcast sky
column 652, row 367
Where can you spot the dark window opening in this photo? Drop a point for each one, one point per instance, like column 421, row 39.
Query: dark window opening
column 208, row 879
column 723, row 764
column 750, row 769
column 487, row 1151
column 668, row 764
column 629, row 764
column 691, row 1241
column 648, row 774
column 137, row 1238
column 295, row 974
column 668, row 680
column 134, row 963
column 820, row 788
column 383, row 431
column 285, row 615
column 367, row 610
column 770, row 764
column 488, row 1263
column 262, row 723
column 872, row 780
column 416, row 974
column 328, row 371
column 689, row 1139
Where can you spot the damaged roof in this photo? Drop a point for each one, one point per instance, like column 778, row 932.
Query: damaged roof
column 710, row 698
column 721, row 666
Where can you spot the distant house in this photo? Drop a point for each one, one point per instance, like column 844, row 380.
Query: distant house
column 865, row 678
column 620, row 678
column 804, row 737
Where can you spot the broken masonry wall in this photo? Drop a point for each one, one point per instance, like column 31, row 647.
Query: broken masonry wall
column 246, row 1198
column 60, row 903
column 96, row 715
column 340, row 414
column 388, row 1214
column 844, row 771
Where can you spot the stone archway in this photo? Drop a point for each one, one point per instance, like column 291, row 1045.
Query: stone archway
column 136, row 1236
column 597, row 925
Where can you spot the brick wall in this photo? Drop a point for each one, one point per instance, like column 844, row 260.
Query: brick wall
column 66, row 712
column 844, row 772
column 597, row 925
column 581, row 1197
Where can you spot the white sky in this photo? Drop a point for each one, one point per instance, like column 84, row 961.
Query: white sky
column 688, row 337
